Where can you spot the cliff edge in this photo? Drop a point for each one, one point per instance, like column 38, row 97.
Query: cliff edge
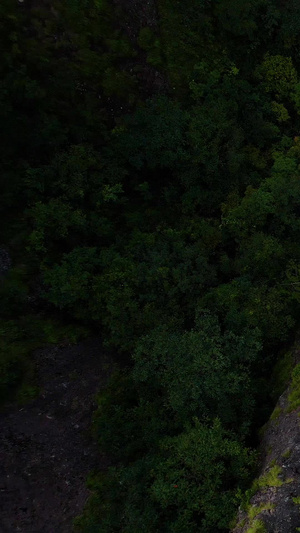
column 273, row 501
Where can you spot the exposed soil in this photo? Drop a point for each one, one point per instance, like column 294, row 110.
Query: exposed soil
column 46, row 448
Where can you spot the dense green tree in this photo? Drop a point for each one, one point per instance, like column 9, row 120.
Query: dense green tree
column 200, row 373
column 169, row 222
column 187, row 485
column 202, row 464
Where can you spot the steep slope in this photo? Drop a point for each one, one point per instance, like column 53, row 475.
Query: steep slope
column 274, row 499
column 46, row 449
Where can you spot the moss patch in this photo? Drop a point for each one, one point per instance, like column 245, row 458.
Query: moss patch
column 287, row 453
column 294, row 396
column 257, row 527
column 255, row 510
column 276, row 413
column 271, row 478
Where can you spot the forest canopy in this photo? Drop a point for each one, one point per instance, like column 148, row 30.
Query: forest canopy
column 150, row 190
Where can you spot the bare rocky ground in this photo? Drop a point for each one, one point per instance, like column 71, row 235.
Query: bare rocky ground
column 46, row 450
column 280, row 449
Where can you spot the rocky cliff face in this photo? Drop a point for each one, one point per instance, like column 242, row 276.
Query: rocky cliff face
column 274, row 499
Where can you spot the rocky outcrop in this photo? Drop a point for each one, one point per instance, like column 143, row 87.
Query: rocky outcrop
column 274, row 499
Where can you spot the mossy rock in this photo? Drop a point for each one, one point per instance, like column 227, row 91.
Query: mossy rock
column 257, row 527
column 255, row 510
column 294, row 396
column 276, row 413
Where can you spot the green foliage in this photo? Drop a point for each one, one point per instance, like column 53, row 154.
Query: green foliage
column 287, row 453
column 294, row 395
column 242, row 304
column 276, row 413
column 70, row 282
column 195, row 461
column 181, row 38
column 186, row 480
column 155, row 136
column 257, row 527
column 279, row 76
column 271, row 478
column 189, row 476
column 165, row 267
column 199, row 373
column 56, row 215
column 150, row 185
column 255, row 510
column 280, row 112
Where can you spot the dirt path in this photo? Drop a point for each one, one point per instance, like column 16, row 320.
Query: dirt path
column 46, row 451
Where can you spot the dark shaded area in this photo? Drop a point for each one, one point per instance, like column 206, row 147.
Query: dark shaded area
column 5, row 261
column 149, row 190
column 46, row 447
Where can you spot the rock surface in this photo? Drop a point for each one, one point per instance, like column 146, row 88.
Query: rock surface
column 46, row 450
column 278, row 485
